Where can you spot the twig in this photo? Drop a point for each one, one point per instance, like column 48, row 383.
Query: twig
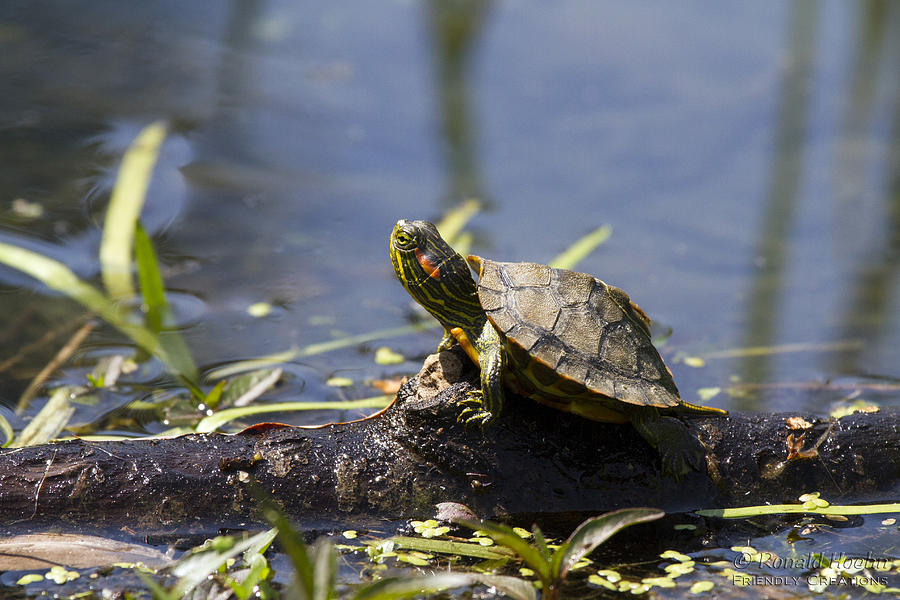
column 43, row 340
column 17, row 324
column 37, row 492
column 61, row 357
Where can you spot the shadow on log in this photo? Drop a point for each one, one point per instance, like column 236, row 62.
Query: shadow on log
column 415, row 455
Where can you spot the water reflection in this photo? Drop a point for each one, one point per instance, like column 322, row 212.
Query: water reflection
column 864, row 182
column 871, row 294
column 455, row 27
column 764, row 306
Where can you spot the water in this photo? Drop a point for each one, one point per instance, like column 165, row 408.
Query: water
column 746, row 158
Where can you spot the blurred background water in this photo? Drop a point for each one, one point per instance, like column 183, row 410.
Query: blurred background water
column 746, row 155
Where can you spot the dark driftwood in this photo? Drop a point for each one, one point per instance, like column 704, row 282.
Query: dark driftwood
column 415, row 455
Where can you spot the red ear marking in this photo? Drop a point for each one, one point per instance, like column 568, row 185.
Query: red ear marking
column 429, row 267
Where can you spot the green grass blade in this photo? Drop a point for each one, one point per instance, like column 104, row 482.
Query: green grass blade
column 244, row 389
column 193, row 569
column 128, row 195
column 317, row 348
column 291, row 542
column 154, row 294
column 215, row 395
column 540, row 542
column 253, row 364
column 7, row 431
column 575, row 253
column 505, row 536
column 153, row 290
column 59, row 277
column 774, row 509
column 355, row 340
column 594, row 532
column 324, row 561
column 158, row 591
column 456, row 219
column 394, row 588
column 448, row 547
column 49, row 422
column 214, row 421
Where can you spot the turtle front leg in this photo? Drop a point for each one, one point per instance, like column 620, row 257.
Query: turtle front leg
column 447, row 341
column 483, row 406
column 680, row 451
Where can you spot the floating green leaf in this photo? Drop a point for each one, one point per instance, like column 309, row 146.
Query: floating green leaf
column 707, row 394
column 702, row 586
column 259, row 309
column 386, row 356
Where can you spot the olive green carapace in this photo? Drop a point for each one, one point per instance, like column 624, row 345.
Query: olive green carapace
column 580, row 329
column 564, row 339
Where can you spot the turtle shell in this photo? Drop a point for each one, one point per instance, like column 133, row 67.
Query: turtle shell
column 571, row 331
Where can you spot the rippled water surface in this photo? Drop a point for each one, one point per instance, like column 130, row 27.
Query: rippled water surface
column 746, row 157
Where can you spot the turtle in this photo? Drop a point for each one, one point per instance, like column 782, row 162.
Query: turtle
column 565, row 339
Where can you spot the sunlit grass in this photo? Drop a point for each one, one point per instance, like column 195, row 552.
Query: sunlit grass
column 810, row 504
column 125, row 204
column 581, row 248
column 221, row 417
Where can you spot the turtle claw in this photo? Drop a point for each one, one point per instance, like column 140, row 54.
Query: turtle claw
column 473, row 400
column 462, row 418
column 473, row 412
column 481, row 417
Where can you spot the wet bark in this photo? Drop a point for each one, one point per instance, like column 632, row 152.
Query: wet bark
column 400, row 464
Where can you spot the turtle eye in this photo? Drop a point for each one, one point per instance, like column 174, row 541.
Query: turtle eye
column 404, row 240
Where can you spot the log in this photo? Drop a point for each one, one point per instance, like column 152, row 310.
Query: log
column 415, row 455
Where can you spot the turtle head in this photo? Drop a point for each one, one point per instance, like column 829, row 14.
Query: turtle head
column 434, row 274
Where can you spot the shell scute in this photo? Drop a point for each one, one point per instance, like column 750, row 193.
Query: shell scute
column 526, row 274
column 490, row 300
column 618, row 349
column 537, row 306
column 573, row 367
column 549, row 351
column 526, row 337
column 490, row 277
column 573, row 288
column 580, row 330
column 600, row 382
